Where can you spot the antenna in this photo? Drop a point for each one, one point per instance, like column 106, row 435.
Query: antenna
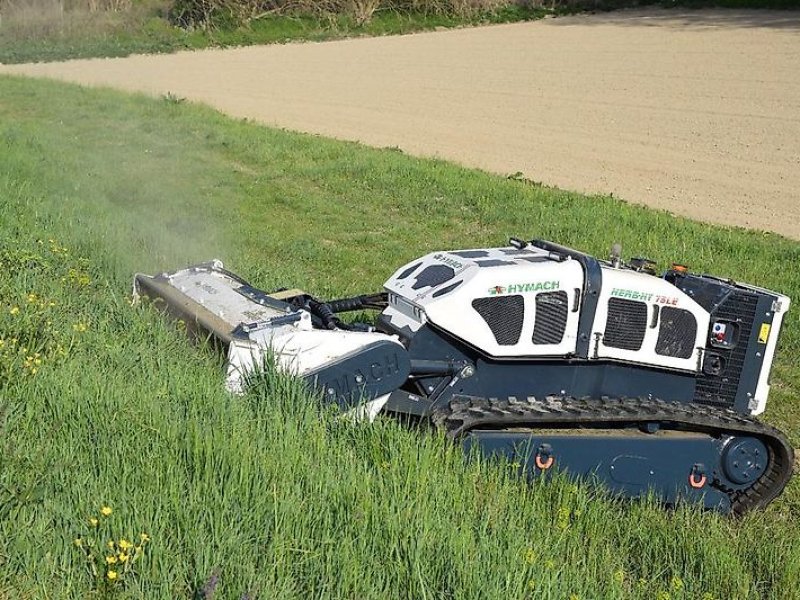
column 616, row 254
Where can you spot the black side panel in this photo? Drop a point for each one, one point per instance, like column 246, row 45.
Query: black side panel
column 503, row 315
column 532, row 377
column 575, row 378
column 362, row 375
column 624, row 464
column 738, row 459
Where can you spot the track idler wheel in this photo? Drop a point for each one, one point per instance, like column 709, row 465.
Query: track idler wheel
column 745, row 460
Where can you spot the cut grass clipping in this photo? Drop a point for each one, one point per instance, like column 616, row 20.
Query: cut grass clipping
column 266, row 495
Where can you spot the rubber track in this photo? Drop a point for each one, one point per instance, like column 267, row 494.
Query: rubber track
column 466, row 413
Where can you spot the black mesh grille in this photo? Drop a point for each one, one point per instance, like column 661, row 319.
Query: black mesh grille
column 503, row 315
column 720, row 390
column 626, row 324
column 433, row 276
column 551, row 317
column 677, row 333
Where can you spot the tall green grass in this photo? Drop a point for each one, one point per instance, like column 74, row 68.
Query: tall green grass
column 268, row 495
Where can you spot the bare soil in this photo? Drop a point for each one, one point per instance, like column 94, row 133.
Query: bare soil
column 695, row 112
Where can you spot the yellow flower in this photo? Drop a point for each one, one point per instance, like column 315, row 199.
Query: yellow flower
column 125, row 544
column 93, row 521
column 574, row 597
column 111, row 560
column 112, row 575
column 144, row 537
column 31, row 298
column 110, row 544
column 676, row 584
column 106, row 511
column 80, row 328
column 78, row 542
column 530, row 556
column 123, row 557
column 549, row 563
column 14, row 310
column 619, row 576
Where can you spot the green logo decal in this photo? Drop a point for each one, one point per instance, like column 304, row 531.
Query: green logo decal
column 522, row 288
column 632, row 294
column 644, row 296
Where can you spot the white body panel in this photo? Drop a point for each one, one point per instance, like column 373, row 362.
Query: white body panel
column 485, row 273
column 676, row 335
column 656, row 294
column 296, row 351
column 759, row 402
column 447, row 312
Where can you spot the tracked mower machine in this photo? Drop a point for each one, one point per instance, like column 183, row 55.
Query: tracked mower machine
column 536, row 352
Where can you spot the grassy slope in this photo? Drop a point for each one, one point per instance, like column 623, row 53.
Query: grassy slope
column 261, row 490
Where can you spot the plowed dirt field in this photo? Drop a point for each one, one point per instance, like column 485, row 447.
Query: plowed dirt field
column 695, row 112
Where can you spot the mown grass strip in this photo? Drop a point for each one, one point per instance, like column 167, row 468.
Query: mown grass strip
column 267, row 492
